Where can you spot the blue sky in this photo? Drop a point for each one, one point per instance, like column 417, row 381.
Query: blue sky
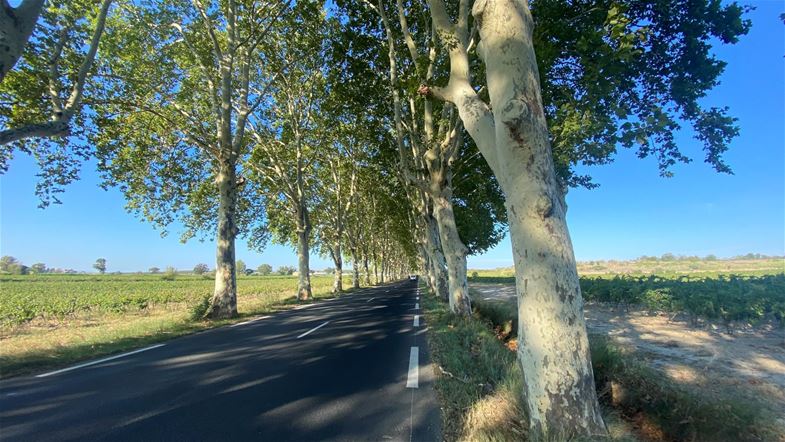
column 635, row 212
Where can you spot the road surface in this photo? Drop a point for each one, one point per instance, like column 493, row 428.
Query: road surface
column 352, row 368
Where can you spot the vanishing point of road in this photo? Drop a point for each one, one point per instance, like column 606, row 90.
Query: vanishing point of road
column 351, row 368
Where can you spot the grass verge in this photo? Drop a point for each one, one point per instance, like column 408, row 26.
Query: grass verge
column 43, row 345
column 659, row 408
column 479, row 380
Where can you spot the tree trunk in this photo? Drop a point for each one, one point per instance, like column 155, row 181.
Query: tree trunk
column 303, row 255
column 438, row 261
column 366, row 269
column 338, row 274
column 455, row 254
column 224, row 300
column 355, row 269
column 454, row 251
column 16, row 26
column 553, row 346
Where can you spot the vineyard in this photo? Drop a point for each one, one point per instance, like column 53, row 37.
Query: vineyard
column 716, row 297
column 25, row 298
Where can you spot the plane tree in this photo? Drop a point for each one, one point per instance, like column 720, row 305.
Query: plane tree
column 288, row 135
column 613, row 74
column 183, row 81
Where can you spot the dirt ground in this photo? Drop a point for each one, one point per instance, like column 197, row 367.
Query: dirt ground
column 751, row 358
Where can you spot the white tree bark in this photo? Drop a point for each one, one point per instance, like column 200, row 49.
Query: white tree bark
column 455, row 254
column 16, row 27
column 303, row 255
column 338, row 261
column 438, row 262
column 553, row 347
column 355, row 269
column 224, row 301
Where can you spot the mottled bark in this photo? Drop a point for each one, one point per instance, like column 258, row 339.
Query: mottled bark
column 16, row 27
column 553, row 348
column 455, row 254
column 338, row 274
column 438, row 261
column 355, row 269
column 224, row 300
column 303, row 254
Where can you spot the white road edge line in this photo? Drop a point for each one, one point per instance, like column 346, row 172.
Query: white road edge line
column 87, row 364
column 416, row 320
column 312, row 330
column 250, row 321
column 412, row 380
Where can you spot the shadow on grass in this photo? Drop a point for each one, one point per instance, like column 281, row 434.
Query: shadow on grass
column 63, row 355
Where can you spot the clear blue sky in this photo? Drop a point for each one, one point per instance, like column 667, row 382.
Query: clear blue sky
column 633, row 213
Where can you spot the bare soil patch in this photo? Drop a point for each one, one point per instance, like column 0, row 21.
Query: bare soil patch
column 752, row 359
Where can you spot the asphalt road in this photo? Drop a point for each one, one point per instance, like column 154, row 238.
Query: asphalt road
column 352, row 368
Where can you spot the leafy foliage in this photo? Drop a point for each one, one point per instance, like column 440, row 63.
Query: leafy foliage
column 627, row 73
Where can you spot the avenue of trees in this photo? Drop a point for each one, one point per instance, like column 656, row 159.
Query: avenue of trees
column 396, row 135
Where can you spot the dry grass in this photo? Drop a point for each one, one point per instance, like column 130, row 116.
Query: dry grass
column 44, row 344
column 657, row 406
column 479, row 382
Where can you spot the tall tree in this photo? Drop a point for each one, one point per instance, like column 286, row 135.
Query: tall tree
column 655, row 67
column 185, row 78
column 287, row 138
column 338, row 165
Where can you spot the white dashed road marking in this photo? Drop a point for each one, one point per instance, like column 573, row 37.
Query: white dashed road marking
column 412, row 380
column 312, row 330
column 416, row 320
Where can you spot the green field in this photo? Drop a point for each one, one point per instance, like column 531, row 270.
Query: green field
column 731, row 291
column 53, row 319
column 52, row 297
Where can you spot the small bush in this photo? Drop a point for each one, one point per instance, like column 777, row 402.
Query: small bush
column 199, row 310
column 170, row 274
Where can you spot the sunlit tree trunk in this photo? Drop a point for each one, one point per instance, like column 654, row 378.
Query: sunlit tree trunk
column 338, row 261
column 224, row 301
column 553, row 347
column 455, row 254
column 303, row 254
column 355, row 269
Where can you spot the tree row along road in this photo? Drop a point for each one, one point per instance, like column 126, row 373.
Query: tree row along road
column 354, row 367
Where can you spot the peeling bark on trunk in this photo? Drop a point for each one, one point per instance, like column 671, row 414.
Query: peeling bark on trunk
column 553, row 347
column 438, row 261
column 455, row 254
column 224, row 300
column 554, row 350
column 303, row 255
